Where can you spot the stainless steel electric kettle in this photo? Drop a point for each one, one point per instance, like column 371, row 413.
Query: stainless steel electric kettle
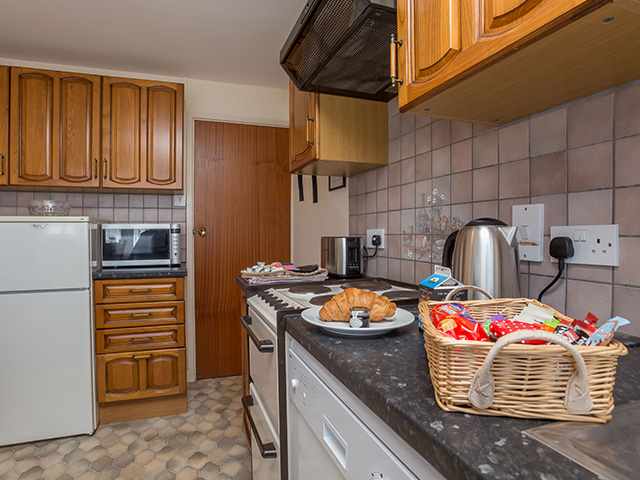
column 484, row 253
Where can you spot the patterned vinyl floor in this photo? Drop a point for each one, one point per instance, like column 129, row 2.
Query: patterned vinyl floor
column 207, row 442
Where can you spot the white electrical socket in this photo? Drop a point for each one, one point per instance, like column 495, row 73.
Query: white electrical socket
column 179, row 201
column 371, row 233
column 593, row 244
column 530, row 222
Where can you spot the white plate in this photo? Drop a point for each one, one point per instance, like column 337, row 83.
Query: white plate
column 402, row 318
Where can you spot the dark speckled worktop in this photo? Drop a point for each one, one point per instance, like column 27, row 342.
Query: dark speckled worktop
column 389, row 374
column 140, row 272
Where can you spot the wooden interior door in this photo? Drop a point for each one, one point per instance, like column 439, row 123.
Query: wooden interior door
column 242, row 216
column 4, row 125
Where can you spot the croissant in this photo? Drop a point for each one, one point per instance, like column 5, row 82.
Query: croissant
column 337, row 309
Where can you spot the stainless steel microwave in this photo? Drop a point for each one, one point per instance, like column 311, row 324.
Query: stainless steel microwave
column 139, row 245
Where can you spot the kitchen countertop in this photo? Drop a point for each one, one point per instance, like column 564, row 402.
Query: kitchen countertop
column 390, row 375
column 140, row 272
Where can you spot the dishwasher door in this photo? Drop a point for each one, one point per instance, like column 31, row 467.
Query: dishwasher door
column 327, row 440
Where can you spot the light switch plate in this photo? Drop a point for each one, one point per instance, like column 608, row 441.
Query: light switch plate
column 530, row 222
column 371, row 233
column 592, row 244
column 179, row 201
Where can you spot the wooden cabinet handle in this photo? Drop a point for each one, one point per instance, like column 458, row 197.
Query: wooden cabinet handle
column 309, row 125
column 104, row 174
column 395, row 44
column 139, row 290
column 95, row 173
column 134, row 315
column 134, row 339
column 1, row 164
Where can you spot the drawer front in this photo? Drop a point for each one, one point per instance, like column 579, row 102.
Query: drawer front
column 135, row 339
column 139, row 290
column 131, row 376
column 139, row 315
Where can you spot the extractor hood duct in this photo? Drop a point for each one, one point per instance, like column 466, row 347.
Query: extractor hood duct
column 342, row 47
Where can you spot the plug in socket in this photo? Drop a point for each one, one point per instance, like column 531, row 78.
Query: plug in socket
column 593, row 244
column 371, row 233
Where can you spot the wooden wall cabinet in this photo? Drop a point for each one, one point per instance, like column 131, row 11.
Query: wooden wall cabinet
column 4, row 125
column 142, row 134
column 140, row 347
column 494, row 61
column 331, row 135
column 54, row 128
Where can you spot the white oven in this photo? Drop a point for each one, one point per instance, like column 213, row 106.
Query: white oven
column 261, row 406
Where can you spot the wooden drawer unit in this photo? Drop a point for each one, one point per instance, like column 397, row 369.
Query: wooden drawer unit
column 140, row 346
column 139, row 290
column 135, row 339
column 123, row 376
column 139, row 314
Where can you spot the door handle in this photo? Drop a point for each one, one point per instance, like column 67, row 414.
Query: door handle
column 267, row 450
column 308, row 134
column 395, row 44
column 202, row 231
column 263, row 346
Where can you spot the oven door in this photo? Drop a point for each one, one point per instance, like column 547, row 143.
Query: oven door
column 265, row 448
column 263, row 362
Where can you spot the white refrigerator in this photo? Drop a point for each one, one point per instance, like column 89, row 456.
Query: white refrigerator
column 47, row 352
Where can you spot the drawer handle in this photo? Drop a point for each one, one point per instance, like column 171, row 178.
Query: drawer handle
column 267, row 450
column 132, row 315
column 263, row 346
column 139, row 290
column 134, row 339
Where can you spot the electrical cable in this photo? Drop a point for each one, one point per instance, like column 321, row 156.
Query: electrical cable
column 553, row 282
column 366, row 257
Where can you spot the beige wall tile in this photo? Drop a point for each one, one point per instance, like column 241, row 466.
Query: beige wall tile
column 485, row 209
column 513, row 142
column 555, row 210
column 547, row 132
column 461, row 156
column 408, row 123
column 408, row 145
column 423, row 166
column 440, row 133
column 441, row 161
column 461, row 131
column 395, row 174
column 394, row 127
column 395, row 222
column 555, row 297
column 585, row 297
column 590, row 121
column 627, row 212
column 485, row 149
column 409, row 195
column 485, row 184
column 381, row 201
column 590, row 167
column 423, row 139
column 408, row 171
column 590, row 208
column 627, row 111
column 625, row 304
column 548, row 174
column 461, row 187
column 593, row 273
column 395, row 198
column 514, row 179
column 381, row 177
column 628, row 273
column 627, row 161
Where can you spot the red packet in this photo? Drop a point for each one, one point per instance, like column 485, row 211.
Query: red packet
column 502, row 328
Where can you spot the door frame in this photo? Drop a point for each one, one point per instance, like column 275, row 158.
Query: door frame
column 189, row 192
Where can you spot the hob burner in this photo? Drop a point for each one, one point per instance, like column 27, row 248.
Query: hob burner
column 395, row 295
column 371, row 285
column 309, row 289
column 320, row 300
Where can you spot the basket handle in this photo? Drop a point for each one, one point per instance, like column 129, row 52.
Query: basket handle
column 577, row 398
column 462, row 288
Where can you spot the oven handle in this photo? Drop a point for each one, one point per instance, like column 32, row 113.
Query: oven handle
column 263, row 346
column 267, row 450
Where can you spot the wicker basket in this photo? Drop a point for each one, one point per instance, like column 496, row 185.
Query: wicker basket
column 530, row 381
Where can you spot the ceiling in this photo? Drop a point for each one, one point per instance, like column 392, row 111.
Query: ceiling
column 231, row 41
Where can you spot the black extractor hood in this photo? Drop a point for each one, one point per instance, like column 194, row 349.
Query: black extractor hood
column 342, row 47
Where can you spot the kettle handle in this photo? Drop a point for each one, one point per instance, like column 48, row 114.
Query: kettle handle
column 447, row 251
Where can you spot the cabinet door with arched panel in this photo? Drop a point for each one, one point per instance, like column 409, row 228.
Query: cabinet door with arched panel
column 4, row 125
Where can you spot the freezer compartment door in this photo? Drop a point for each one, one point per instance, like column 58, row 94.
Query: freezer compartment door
column 44, row 256
column 47, row 374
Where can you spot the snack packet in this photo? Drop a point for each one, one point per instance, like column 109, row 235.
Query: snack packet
column 455, row 321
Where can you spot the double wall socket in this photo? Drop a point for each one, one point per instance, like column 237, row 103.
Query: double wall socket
column 371, row 233
column 593, row 244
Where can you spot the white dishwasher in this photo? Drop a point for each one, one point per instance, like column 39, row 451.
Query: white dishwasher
column 327, row 439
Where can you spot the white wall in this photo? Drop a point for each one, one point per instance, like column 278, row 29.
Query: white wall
column 310, row 221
